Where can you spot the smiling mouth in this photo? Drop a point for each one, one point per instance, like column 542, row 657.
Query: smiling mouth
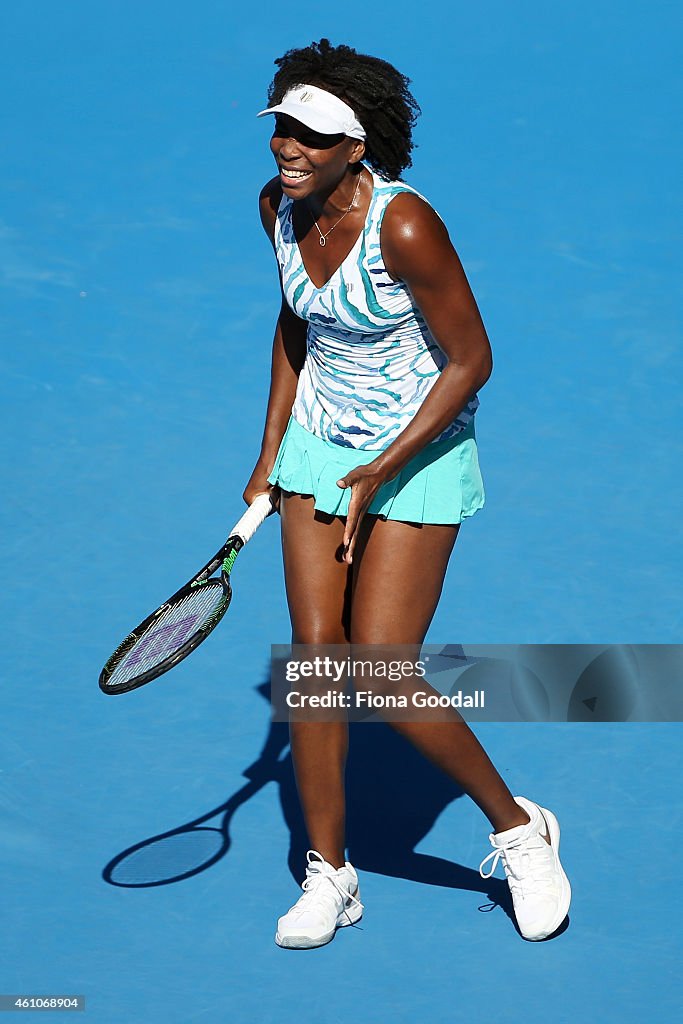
column 291, row 174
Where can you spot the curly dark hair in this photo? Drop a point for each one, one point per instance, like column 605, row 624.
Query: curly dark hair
column 377, row 92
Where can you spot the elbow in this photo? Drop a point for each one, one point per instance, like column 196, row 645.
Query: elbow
column 483, row 369
column 475, row 365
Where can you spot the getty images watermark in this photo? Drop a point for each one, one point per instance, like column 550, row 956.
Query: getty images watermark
column 478, row 683
column 328, row 674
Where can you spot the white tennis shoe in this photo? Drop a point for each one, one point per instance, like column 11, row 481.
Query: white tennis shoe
column 540, row 889
column 330, row 901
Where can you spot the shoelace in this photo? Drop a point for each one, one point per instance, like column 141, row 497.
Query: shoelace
column 527, row 867
column 322, row 871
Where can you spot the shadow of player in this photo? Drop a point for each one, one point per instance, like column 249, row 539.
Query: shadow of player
column 394, row 797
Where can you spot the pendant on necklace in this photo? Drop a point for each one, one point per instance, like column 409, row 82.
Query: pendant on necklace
column 322, row 241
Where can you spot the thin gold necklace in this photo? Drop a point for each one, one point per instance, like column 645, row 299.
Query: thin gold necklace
column 323, row 237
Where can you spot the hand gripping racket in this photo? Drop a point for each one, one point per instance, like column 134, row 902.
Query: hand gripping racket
column 182, row 622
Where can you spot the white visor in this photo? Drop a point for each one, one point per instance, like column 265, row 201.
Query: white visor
column 319, row 110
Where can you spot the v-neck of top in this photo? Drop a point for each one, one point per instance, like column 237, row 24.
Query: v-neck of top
column 351, row 251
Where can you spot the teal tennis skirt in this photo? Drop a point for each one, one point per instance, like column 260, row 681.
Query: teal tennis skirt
column 441, row 484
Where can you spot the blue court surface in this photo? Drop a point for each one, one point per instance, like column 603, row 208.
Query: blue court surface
column 139, row 299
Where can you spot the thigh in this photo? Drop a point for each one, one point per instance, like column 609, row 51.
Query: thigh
column 399, row 569
column 317, row 581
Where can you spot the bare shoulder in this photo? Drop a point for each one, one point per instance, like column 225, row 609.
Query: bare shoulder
column 413, row 235
column 269, row 202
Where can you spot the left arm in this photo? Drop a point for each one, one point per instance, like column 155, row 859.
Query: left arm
column 417, row 250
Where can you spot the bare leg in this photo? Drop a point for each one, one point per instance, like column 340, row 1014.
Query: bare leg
column 399, row 570
column 318, row 594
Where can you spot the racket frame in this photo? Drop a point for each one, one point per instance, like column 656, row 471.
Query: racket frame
column 225, row 558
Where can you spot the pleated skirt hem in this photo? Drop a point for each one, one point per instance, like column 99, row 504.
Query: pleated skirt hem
column 441, row 484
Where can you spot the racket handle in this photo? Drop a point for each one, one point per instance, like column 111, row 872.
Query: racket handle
column 246, row 527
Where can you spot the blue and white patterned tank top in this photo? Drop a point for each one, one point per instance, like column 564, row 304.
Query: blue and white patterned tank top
column 370, row 357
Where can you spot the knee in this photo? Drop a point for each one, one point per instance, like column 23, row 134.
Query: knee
column 319, row 633
column 385, row 666
column 385, row 634
column 366, row 633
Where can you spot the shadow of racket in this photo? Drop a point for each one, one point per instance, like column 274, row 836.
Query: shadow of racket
column 189, row 849
column 185, row 851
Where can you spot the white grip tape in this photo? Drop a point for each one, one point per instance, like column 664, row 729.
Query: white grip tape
column 260, row 509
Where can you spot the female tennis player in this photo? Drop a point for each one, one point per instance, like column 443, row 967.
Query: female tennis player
column 369, row 444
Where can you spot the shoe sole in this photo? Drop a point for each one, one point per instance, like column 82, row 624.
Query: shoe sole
column 566, row 889
column 347, row 917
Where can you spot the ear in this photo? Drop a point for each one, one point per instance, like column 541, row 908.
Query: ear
column 357, row 151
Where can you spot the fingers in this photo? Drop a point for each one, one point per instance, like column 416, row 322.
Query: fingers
column 348, row 530
column 364, row 486
column 250, row 495
column 352, row 521
column 275, row 495
column 274, row 492
column 357, row 508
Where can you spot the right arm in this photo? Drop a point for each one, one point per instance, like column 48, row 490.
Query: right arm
column 289, row 352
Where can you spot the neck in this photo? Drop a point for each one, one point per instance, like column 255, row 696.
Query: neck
column 336, row 200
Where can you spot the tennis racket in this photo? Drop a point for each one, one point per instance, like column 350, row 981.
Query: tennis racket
column 181, row 623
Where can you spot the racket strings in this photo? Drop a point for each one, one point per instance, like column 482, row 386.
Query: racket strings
column 169, row 631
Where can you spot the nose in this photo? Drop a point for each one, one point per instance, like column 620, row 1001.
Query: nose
column 289, row 149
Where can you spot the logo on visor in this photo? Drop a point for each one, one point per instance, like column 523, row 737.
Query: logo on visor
column 305, row 97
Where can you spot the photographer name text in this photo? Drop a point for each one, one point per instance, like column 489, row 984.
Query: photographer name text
column 367, row 699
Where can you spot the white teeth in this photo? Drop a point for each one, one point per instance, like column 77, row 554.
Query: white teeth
column 294, row 174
